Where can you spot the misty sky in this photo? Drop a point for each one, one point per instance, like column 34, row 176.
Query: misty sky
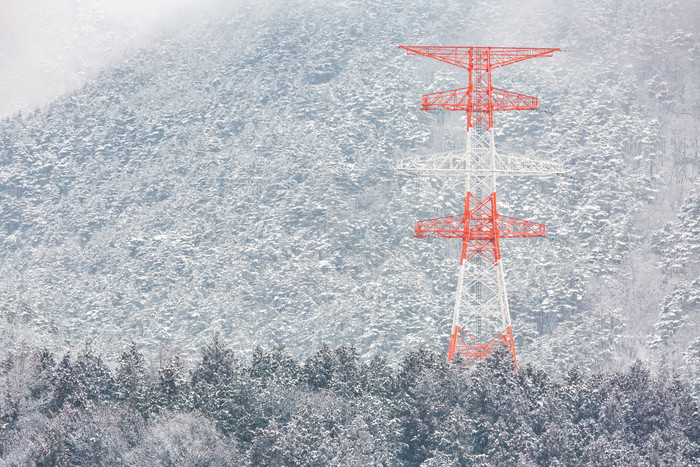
column 50, row 47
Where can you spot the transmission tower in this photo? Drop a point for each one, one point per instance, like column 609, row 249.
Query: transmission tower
column 481, row 318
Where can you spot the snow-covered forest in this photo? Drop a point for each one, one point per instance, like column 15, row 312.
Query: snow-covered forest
column 334, row 409
column 234, row 173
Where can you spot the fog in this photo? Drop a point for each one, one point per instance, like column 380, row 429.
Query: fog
column 51, row 47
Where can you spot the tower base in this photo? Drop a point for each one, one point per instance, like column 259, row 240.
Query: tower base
column 466, row 348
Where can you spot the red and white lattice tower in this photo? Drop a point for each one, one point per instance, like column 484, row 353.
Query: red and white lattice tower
column 481, row 318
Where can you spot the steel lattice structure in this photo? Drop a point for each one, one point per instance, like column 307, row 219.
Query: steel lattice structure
column 481, row 303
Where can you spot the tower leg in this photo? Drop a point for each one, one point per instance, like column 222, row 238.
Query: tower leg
column 453, row 342
column 465, row 348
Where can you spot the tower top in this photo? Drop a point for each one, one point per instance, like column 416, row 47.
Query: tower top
column 480, row 99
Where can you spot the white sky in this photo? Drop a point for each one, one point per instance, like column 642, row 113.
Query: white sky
column 50, row 47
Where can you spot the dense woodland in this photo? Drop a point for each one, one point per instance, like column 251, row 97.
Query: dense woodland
column 333, row 408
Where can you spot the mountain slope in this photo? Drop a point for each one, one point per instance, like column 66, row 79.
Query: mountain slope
column 237, row 175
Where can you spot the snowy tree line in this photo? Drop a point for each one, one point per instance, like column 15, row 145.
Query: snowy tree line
column 333, row 408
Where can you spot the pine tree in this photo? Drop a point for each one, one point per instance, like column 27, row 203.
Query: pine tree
column 131, row 384
column 217, row 365
column 65, row 388
column 93, row 378
column 276, row 365
column 375, row 377
column 319, row 367
column 345, row 379
column 52, row 451
column 424, row 397
column 171, row 385
column 44, row 364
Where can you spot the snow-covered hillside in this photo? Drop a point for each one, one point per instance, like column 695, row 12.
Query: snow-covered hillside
column 237, row 174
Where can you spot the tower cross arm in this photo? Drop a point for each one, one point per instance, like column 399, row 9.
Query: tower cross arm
column 460, row 56
column 510, row 227
column 442, row 227
column 456, row 227
column 454, row 164
column 508, row 100
column 459, row 100
column 502, row 56
column 457, row 56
